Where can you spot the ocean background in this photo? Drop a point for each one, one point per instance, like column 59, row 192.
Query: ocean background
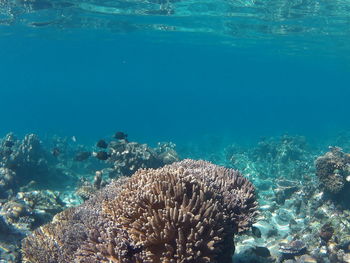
column 157, row 88
column 258, row 86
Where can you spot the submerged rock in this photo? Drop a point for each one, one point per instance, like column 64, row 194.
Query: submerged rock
column 256, row 231
column 262, row 251
column 294, row 248
column 285, row 190
column 306, row 259
column 326, row 232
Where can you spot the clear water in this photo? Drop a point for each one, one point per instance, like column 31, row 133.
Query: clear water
column 174, row 70
column 211, row 76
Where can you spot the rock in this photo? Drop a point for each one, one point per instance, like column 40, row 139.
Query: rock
column 262, row 252
column 345, row 243
column 306, row 259
column 283, row 216
column 256, row 232
column 346, row 258
column 294, row 248
column 326, row 232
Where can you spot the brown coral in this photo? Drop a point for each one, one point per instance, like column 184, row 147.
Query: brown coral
column 238, row 192
column 332, row 170
column 182, row 213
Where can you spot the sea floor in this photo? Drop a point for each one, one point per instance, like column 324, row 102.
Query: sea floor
column 302, row 216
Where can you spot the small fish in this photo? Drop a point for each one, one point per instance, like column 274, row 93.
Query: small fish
column 41, row 24
column 102, row 144
column 120, row 135
column 82, row 156
column 56, row 152
column 9, row 144
column 101, row 155
column 74, row 139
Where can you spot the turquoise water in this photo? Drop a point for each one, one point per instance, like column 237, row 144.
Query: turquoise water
column 259, row 86
column 176, row 69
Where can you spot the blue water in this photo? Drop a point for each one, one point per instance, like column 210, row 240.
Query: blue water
column 222, row 79
column 171, row 85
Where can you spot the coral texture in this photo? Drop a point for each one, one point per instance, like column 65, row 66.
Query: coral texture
column 284, row 156
column 7, row 177
column 333, row 170
column 27, row 160
column 184, row 212
column 127, row 157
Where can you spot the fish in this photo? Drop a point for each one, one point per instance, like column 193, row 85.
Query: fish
column 56, row 152
column 120, row 135
column 101, row 155
column 74, row 139
column 41, row 24
column 102, row 144
column 82, row 156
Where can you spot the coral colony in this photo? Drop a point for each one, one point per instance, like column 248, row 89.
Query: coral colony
column 120, row 201
column 184, row 212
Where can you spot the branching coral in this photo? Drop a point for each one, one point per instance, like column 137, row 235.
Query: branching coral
column 186, row 212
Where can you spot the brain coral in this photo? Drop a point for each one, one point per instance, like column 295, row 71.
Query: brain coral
column 186, row 212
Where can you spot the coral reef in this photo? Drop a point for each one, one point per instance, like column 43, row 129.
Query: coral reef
column 27, row 210
column 87, row 189
column 25, row 161
column 7, row 180
column 306, row 215
column 298, row 221
column 127, row 157
column 30, row 165
column 184, row 212
column 333, row 170
column 285, row 156
column 292, row 205
column 22, row 214
column 26, row 158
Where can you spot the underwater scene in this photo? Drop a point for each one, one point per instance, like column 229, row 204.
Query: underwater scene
column 175, row 131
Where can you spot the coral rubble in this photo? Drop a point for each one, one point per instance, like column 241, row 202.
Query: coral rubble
column 184, row 212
